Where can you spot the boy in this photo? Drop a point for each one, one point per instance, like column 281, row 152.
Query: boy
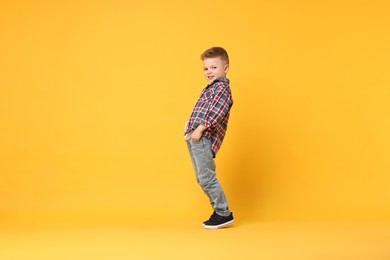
column 205, row 131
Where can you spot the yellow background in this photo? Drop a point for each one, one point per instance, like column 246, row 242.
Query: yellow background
column 94, row 96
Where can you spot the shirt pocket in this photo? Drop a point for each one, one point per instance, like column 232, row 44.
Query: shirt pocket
column 204, row 99
column 204, row 104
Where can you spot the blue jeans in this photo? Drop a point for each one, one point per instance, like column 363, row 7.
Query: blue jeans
column 204, row 167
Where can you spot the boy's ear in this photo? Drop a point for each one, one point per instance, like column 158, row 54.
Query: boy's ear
column 226, row 68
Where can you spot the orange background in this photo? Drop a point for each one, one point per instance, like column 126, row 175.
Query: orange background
column 94, row 96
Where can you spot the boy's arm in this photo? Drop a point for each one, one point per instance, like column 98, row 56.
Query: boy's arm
column 219, row 107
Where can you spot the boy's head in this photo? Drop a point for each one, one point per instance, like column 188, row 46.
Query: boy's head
column 215, row 63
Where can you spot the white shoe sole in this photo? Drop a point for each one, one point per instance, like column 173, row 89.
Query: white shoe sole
column 219, row 226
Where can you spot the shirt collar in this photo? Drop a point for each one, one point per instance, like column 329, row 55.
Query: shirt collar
column 223, row 80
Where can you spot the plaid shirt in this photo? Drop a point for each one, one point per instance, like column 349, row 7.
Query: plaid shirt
column 212, row 110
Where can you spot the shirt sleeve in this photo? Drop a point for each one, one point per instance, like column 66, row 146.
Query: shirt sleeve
column 220, row 103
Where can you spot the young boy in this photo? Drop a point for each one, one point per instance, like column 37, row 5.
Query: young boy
column 206, row 129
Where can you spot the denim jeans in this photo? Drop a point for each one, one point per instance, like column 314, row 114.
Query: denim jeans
column 204, row 167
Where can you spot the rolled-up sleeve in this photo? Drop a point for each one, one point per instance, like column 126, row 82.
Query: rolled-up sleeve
column 219, row 106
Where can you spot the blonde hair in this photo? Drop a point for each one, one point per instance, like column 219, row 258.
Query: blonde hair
column 215, row 52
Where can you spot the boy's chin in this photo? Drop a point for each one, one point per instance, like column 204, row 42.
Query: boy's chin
column 211, row 80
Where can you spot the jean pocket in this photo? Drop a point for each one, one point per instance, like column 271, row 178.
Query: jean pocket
column 200, row 142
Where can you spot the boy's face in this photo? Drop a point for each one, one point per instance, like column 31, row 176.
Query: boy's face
column 214, row 68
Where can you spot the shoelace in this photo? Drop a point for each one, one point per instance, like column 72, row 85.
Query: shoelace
column 215, row 217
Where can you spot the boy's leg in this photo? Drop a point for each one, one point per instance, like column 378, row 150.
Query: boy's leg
column 204, row 167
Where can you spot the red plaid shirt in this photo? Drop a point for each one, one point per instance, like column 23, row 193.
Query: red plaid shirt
column 212, row 110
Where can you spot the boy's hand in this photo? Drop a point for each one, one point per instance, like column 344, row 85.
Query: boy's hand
column 198, row 132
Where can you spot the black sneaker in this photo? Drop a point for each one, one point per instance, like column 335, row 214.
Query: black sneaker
column 217, row 221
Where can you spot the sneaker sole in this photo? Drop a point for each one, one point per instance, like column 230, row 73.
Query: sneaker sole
column 219, row 226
